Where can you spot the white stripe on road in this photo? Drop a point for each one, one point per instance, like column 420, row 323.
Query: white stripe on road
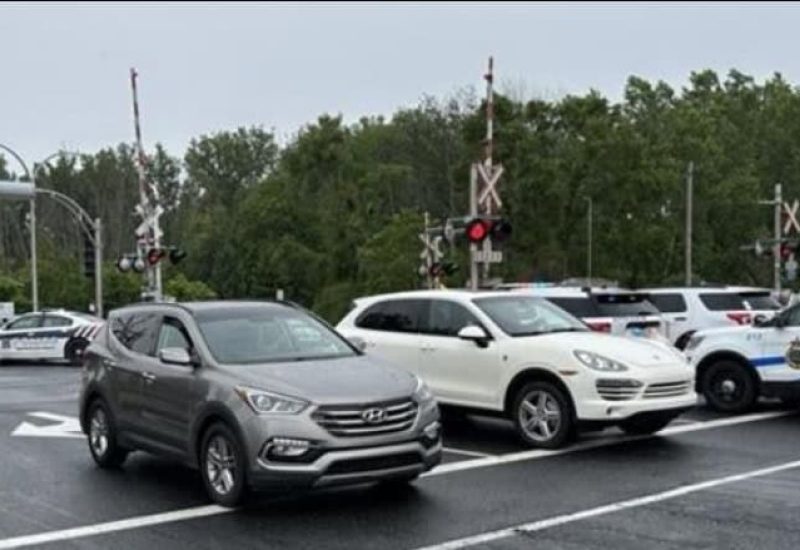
column 212, row 510
column 556, row 521
column 465, row 452
column 114, row 526
column 599, row 442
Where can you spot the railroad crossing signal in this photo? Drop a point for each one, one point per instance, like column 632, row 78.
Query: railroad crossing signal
column 790, row 211
column 488, row 177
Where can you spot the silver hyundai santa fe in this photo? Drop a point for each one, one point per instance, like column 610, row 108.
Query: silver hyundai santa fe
column 254, row 394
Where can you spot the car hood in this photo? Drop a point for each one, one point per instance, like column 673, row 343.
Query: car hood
column 639, row 352
column 347, row 380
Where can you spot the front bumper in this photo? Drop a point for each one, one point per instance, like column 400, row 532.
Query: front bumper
column 348, row 466
column 339, row 460
column 601, row 409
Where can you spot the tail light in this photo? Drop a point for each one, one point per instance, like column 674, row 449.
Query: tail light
column 740, row 318
column 599, row 326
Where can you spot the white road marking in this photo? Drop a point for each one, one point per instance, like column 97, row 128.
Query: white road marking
column 465, row 452
column 114, row 526
column 652, row 498
column 534, row 454
column 66, row 426
column 212, row 510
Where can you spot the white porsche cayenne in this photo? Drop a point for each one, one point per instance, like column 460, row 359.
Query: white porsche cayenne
column 521, row 357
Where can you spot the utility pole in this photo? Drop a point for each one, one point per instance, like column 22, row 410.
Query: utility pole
column 149, row 232
column 776, row 251
column 689, row 207
column 589, row 223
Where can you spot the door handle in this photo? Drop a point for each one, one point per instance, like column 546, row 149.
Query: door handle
column 680, row 318
column 149, row 377
column 109, row 364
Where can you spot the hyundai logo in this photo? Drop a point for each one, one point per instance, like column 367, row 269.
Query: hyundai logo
column 373, row 416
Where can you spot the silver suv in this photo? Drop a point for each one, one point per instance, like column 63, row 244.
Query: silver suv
column 254, row 394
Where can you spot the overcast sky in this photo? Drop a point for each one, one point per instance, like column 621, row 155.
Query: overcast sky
column 211, row 67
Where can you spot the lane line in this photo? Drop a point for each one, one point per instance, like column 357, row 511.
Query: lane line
column 637, row 502
column 114, row 526
column 535, row 454
column 213, row 510
column 466, row 452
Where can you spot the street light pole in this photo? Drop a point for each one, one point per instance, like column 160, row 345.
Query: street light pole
column 34, row 270
column 589, row 224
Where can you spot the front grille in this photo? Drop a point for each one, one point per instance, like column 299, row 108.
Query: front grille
column 349, row 421
column 668, row 389
column 618, row 390
column 356, row 465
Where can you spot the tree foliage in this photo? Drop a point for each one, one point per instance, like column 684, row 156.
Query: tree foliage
column 335, row 211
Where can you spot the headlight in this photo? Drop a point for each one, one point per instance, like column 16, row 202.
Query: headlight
column 693, row 342
column 264, row 402
column 598, row 362
column 422, row 393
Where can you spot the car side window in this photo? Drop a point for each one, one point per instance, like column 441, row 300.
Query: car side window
column 173, row 335
column 446, row 318
column 792, row 317
column 392, row 316
column 668, row 303
column 28, row 321
column 56, row 321
column 136, row 331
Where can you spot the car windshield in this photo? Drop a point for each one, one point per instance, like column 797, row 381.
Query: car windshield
column 760, row 301
column 268, row 333
column 528, row 315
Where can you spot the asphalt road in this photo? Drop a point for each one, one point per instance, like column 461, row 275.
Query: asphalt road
column 707, row 482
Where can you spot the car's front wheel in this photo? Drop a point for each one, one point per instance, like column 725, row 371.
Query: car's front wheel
column 729, row 386
column 542, row 415
column 222, row 465
column 102, row 436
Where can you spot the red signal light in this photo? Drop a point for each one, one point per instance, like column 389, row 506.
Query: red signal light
column 477, row 230
column 154, row 255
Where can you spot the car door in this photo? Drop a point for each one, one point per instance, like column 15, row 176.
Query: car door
column 167, row 390
column 19, row 339
column 776, row 362
column 457, row 371
column 132, row 345
column 56, row 331
column 390, row 330
column 675, row 312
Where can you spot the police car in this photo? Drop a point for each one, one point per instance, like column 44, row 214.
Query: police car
column 734, row 365
column 48, row 336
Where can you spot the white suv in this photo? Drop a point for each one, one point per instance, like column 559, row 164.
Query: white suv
column 616, row 311
column 519, row 356
column 688, row 310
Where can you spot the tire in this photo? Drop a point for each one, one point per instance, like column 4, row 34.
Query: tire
column 74, row 352
column 102, row 436
column 646, row 424
column 542, row 415
column 223, row 466
column 729, row 386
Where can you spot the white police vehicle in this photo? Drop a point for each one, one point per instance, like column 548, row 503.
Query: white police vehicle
column 734, row 365
column 56, row 335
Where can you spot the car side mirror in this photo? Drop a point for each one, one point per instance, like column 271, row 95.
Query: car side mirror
column 358, row 342
column 476, row 334
column 175, row 356
column 760, row 320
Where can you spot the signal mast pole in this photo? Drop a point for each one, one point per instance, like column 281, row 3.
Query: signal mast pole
column 148, row 234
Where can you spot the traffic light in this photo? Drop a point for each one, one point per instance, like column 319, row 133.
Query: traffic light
column 176, row 255
column 786, row 251
column 478, row 229
column 439, row 269
column 154, row 255
column 88, row 257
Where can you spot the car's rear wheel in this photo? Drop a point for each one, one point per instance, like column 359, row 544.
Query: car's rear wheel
column 646, row 424
column 729, row 386
column 74, row 352
column 222, row 465
column 542, row 415
column 102, row 436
